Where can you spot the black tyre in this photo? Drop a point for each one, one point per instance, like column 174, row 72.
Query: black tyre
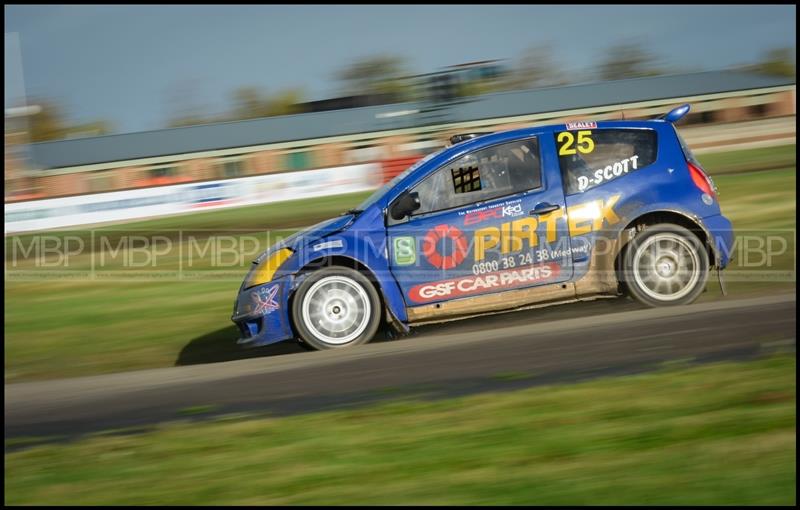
column 336, row 307
column 664, row 265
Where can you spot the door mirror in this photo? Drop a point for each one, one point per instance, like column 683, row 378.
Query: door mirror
column 405, row 204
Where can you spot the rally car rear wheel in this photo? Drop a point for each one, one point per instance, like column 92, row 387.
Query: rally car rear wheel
column 336, row 307
column 665, row 265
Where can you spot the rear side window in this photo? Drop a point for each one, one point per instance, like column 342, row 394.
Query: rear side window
column 486, row 174
column 590, row 158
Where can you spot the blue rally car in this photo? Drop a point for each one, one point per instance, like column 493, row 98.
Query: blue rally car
column 498, row 222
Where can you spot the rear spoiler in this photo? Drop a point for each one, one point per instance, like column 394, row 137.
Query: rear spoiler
column 675, row 114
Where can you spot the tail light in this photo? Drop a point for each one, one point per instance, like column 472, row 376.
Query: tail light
column 701, row 180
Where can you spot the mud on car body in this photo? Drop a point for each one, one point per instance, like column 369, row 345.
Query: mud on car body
column 503, row 221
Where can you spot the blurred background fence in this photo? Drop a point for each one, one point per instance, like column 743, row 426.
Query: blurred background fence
column 353, row 143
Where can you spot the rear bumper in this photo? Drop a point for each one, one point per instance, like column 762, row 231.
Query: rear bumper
column 262, row 314
column 721, row 231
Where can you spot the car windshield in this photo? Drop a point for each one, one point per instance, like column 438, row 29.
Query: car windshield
column 399, row 177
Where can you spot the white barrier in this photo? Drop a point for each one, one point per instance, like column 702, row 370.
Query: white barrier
column 182, row 198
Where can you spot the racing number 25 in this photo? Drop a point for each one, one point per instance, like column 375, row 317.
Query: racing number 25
column 585, row 143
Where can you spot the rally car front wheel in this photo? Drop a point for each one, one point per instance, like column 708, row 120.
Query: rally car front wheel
column 336, row 307
column 665, row 264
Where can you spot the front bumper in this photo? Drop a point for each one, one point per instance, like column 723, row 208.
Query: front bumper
column 262, row 313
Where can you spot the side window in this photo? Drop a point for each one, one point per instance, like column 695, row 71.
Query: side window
column 589, row 158
column 482, row 175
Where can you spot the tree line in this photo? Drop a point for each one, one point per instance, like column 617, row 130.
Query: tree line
column 387, row 77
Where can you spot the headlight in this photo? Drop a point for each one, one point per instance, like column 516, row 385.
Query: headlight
column 264, row 272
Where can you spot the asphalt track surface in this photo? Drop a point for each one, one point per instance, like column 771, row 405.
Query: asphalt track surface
column 495, row 353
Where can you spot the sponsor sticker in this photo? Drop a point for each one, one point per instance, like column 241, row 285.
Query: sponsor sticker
column 593, row 216
column 437, row 255
column 609, row 172
column 265, row 300
column 573, row 126
column 405, row 251
column 498, row 212
column 206, row 195
column 471, row 285
column 513, row 236
column 329, row 244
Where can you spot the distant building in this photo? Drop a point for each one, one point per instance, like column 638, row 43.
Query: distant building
column 448, row 84
column 345, row 102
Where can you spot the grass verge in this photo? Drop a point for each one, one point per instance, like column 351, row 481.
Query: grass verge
column 715, row 434
column 747, row 160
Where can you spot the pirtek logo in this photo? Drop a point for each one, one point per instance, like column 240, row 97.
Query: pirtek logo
column 431, row 250
column 511, row 234
column 583, row 218
column 593, row 215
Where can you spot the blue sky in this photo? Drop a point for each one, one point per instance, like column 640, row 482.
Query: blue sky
column 132, row 65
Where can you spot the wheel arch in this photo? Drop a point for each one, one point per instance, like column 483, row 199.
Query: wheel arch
column 389, row 314
column 690, row 222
